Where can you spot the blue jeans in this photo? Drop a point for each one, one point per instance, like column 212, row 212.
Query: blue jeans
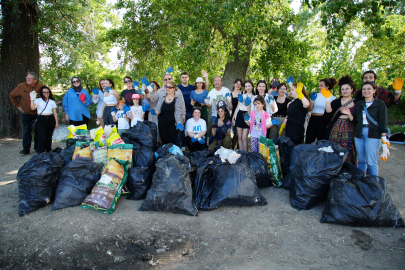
column 367, row 151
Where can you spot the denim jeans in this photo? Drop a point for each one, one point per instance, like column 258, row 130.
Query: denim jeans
column 27, row 121
column 367, row 151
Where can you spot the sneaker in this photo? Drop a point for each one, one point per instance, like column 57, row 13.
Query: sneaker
column 24, row 152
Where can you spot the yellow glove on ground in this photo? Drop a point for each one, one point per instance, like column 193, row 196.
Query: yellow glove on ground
column 397, row 84
column 281, row 130
column 299, row 90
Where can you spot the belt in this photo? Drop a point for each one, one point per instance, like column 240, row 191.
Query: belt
column 279, row 115
column 365, row 125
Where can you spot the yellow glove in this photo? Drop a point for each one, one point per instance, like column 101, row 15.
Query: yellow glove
column 385, row 152
column 299, row 90
column 281, row 130
column 397, row 85
column 326, row 93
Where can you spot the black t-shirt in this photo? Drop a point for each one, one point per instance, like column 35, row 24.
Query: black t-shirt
column 296, row 112
column 282, row 107
column 127, row 95
column 167, row 110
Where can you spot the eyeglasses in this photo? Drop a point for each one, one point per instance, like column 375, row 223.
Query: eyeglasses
column 43, row 92
column 169, row 79
column 28, row 78
column 169, row 87
column 75, row 81
column 127, row 81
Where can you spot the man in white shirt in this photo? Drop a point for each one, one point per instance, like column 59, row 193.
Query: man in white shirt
column 219, row 93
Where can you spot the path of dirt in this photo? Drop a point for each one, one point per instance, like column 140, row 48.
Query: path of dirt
column 274, row 236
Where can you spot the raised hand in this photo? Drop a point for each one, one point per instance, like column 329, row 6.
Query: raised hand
column 240, row 98
column 108, row 89
column 145, row 107
column 169, row 70
column 126, row 108
column 313, row 96
column 397, row 85
column 276, row 121
column 204, row 73
column 33, row 95
column 326, row 93
column 95, row 90
column 299, row 88
column 290, row 80
column 248, row 100
column 135, row 85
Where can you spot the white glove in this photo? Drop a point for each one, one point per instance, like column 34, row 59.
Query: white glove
column 113, row 114
column 33, row 95
column 385, row 153
column 385, row 140
column 207, row 101
column 268, row 121
column 196, row 136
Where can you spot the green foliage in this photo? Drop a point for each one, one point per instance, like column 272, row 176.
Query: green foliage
column 397, row 128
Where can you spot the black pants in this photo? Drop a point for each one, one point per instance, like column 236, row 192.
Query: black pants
column 85, row 121
column 45, row 127
column 295, row 132
column 167, row 129
column 316, row 129
column 195, row 146
column 107, row 117
column 27, row 121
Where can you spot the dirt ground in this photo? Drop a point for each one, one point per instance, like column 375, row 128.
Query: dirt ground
column 274, row 236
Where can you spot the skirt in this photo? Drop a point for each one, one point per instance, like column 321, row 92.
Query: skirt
column 343, row 134
column 240, row 122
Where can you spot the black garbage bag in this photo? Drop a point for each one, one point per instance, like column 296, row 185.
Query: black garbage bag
column 67, row 152
column 204, row 182
column 311, row 175
column 77, row 179
column 37, row 180
column 143, row 157
column 259, row 167
column 139, row 182
column 357, row 200
column 296, row 152
column 163, row 151
column 234, row 185
column 171, row 187
column 125, row 138
column 285, row 146
column 196, row 158
column 144, row 134
column 397, row 137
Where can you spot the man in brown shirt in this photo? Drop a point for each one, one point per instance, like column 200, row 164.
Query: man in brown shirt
column 20, row 97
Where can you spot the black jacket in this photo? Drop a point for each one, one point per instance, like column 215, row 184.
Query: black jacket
column 377, row 111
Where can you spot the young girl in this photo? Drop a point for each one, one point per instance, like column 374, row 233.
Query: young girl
column 136, row 113
column 121, row 117
column 259, row 121
column 261, row 90
column 242, row 108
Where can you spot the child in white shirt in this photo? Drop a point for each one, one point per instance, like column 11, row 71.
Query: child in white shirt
column 121, row 117
column 136, row 113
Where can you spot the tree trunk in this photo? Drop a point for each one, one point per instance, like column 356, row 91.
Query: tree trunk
column 19, row 54
column 236, row 68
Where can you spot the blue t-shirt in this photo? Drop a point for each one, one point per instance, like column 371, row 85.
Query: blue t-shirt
column 221, row 130
column 199, row 97
column 186, row 91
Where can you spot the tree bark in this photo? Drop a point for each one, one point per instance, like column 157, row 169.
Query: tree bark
column 19, row 54
column 236, row 68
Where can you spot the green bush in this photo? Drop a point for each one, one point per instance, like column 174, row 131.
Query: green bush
column 396, row 128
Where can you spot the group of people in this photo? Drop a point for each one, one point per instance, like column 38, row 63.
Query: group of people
column 357, row 120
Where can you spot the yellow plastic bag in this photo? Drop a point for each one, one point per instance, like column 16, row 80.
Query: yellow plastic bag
column 114, row 139
column 109, row 130
column 100, row 137
column 72, row 130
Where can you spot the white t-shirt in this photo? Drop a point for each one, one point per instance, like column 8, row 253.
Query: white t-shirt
column 41, row 106
column 216, row 96
column 365, row 121
column 268, row 105
column 320, row 102
column 122, row 122
column 137, row 115
column 196, row 127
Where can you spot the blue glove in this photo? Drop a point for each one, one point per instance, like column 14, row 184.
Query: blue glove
column 95, row 90
column 274, row 84
column 175, row 150
column 180, row 127
column 145, row 107
column 286, row 94
column 290, row 79
column 108, row 89
column 276, row 121
column 169, row 70
column 313, row 96
column 126, row 108
column 227, row 95
column 152, row 111
column 114, row 110
column 135, row 85
column 201, row 140
column 193, row 139
column 144, row 80
column 246, row 117
column 274, row 93
column 248, row 100
column 240, row 98
column 269, row 98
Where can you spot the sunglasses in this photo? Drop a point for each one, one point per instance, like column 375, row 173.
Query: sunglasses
column 127, row 81
column 169, row 87
column 168, row 79
column 75, row 81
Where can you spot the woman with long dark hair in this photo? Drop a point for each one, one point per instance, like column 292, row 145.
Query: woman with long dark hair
column 221, row 128
column 341, row 129
column 282, row 102
column 47, row 119
column 236, row 90
column 110, row 100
